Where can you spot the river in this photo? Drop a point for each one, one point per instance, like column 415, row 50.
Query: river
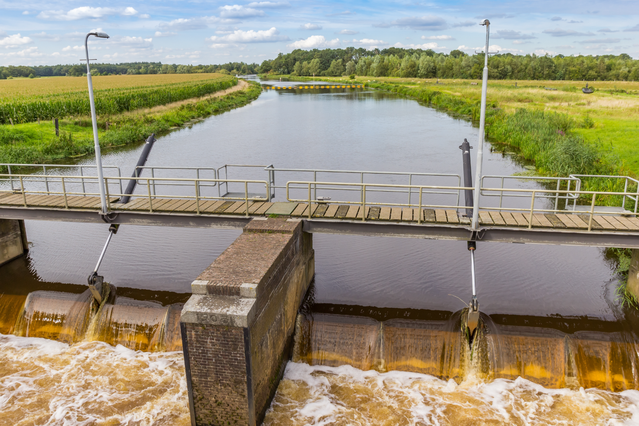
column 327, row 129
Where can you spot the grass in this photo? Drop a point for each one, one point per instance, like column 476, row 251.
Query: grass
column 37, row 143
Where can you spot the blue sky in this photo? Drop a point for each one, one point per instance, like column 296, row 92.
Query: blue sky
column 34, row 32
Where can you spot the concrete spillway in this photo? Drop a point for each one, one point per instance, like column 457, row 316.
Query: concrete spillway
column 71, row 318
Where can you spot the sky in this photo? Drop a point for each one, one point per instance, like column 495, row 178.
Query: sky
column 37, row 32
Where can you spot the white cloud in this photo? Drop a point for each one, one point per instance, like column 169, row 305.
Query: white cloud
column 493, row 48
column 268, row 4
column 185, row 24
column 26, row 12
column 86, row 12
column 314, row 42
column 558, row 32
column 310, row 26
column 14, row 40
column 251, row 36
column 512, row 35
column 69, row 48
column 439, row 37
column 164, row 34
column 544, row 52
column 31, row 52
column 236, row 11
column 424, row 46
column 145, row 16
column 348, row 32
column 421, row 23
column 45, row 36
column 136, row 42
column 369, row 43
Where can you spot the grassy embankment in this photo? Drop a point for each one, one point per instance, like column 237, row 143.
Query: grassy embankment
column 133, row 107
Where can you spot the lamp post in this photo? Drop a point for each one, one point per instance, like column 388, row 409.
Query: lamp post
column 96, row 141
column 482, row 121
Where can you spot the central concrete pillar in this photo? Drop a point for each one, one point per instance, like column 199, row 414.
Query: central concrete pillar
column 13, row 240
column 238, row 326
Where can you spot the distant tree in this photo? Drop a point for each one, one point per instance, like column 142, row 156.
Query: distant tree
column 350, row 68
column 336, row 68
column 314, row 67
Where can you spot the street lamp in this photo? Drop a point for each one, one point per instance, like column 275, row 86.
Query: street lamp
column 96, row 141
column 482, row 121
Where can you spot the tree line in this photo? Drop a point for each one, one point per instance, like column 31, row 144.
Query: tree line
column 129, row 68
column 398, row 62
column 391, row 62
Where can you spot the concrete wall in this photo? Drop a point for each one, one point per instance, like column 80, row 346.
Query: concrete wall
column 237, row 328
column 13, row 242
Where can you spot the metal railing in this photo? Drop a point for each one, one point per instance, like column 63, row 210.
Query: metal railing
column 532, row 194
column 43, row 170
column 628, row 181
column 198, row 172
column 560, row 182
column 147, row 182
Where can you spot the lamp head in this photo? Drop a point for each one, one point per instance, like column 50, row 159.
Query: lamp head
column 485, row 22
column 98, row 34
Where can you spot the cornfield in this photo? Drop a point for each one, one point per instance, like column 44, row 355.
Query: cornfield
column 30, row 108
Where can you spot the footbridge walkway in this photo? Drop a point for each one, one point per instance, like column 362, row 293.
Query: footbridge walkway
column 516, row 209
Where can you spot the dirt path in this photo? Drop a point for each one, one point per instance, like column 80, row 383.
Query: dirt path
column 241, row 85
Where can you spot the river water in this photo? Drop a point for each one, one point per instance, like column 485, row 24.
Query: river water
column 375, row 280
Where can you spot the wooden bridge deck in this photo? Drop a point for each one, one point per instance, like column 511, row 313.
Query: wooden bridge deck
column 398, row 215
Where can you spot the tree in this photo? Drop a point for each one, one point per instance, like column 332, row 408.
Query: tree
column 336, row 68
column 314, row 67
column 297, row 69
column 350, row 68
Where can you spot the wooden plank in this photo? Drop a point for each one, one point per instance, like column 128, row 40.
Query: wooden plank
column 210, row 205
column 132, row 205
column 231, row 209
column 429, row 215
column 508, row 218
column 465, row 220
column 618, row 225
column 452, row 217
column 541, row 221
column 170, row 205
column 556, row 223
column 299, row 210
column 374, row 213
column 222, row 207
column 594, row 225
column 627, row 223
column 579, row 222
column 341, row 212
column 263, row 208
column 440, row 215
column 143, row 205
column 522, row 219
column 12, row 199
column 601, row 220
column 238, row 208
column 633, row 220
column 407, row 214
column 566, row 220
column 396, row 214
column 330, row 212
column 497, row 219
column 485, row 219
column 367, row 211
column 320, row 210
column 254, row 206
column 385, row 213
column 189, row 206
column 352, row 212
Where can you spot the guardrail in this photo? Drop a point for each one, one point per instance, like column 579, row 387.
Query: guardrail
column 628, row 181
column 142, row 182
column 198, row 172
column 532, row 194
column 560, row 182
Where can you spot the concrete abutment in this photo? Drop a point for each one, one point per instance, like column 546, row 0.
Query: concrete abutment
column 13, row 240
column 238, row 326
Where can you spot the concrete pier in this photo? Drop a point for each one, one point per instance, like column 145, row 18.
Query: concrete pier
column 13, row 240
column 633, row 275
column 237, row 328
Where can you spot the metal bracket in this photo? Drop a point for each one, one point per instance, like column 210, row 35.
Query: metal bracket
column 109, row 217
column 477, row 235
column 95, row 285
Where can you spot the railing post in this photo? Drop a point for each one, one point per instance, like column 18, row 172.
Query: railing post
column 10, row 177
column 410, row 188
column 625, row 190
column 246, row 197
column 108, row 197
column 315, row 186
column 197, row 182
column 567, row 193
column 419, row 218
column 64, row 191
column 82, row 179
column 46, row 179
column 592, row 210
column 148, row 187
column 152, row 176
column 557, row 195
column 532, row 208
column 24, row 195
column 197, row 197
column 501, row 193
column 364, row 203
column 309, row 201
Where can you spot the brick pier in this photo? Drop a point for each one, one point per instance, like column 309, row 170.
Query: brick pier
column 237, row 328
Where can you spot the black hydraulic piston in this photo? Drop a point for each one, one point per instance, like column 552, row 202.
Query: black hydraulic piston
column 468, row 178
column 138, row 171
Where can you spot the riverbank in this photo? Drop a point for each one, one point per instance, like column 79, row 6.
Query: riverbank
column 37, row 143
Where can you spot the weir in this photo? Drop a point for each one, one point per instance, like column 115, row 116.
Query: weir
column 238, row 326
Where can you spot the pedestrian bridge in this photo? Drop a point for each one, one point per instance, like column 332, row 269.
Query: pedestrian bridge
column 515, row 209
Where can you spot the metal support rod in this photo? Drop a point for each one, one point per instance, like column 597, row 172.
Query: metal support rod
column 482, row 122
